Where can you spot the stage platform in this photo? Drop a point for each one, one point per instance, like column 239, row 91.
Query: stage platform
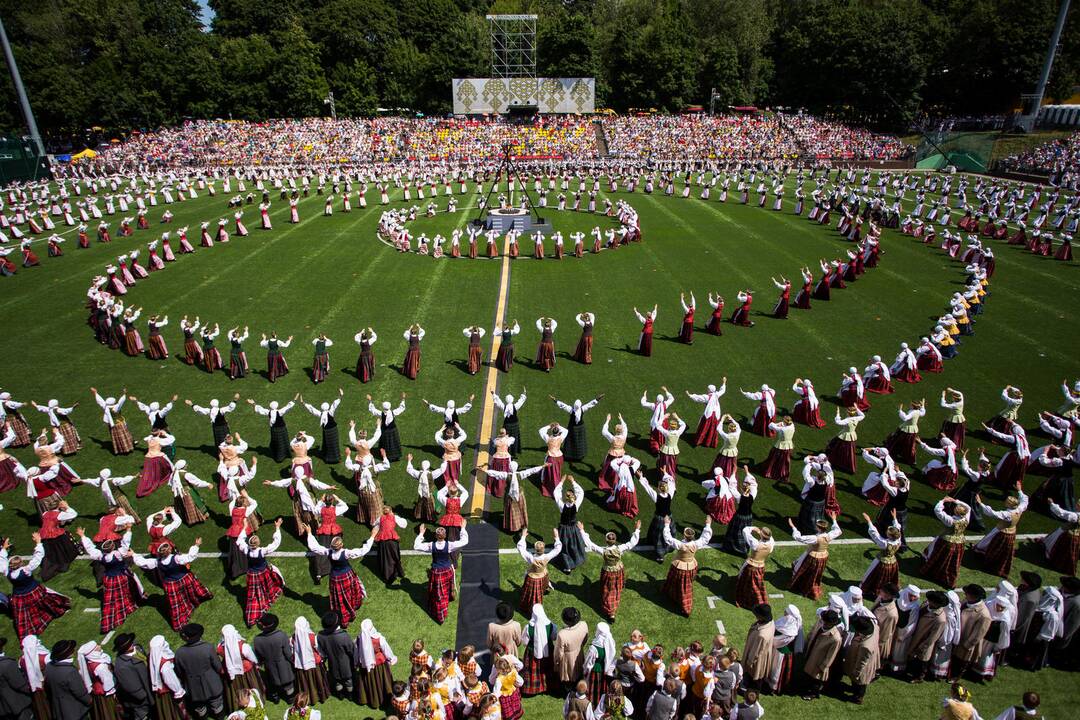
column 504, row 219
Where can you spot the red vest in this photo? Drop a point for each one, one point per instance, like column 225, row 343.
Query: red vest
column 106, row 529
column 387, row 527
column 239, row 517
column 329, row 524
column 50, row 526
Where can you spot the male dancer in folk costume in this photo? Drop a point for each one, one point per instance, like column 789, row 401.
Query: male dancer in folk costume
column 183, row 591
column 942, row 557
column 648, row 320
column 275, row 361
column 659, row 410
column 576, row 446
column 998, row 546
column 583, row 351
column 121, row 590
column 122, row 442
column 706, row 435
column 347, row 592
column 807, row 409
column 809, row 568
column 765, row 413
column 884, row 568
column 679, row 584
column 442, row 587
column 389, row 437
column 475, row 355
column 33, row 606
column 545, row 351
column 365, row 363
column 750, row 585
column 264, row 581
column 536, row 583
column 612, row 573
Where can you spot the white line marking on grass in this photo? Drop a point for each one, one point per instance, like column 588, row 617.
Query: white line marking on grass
column 107, row 637
column 712, row 600
column 91, row 610
column 720, row 627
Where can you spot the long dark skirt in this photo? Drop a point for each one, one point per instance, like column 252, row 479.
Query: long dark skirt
column 220, row 429
column 390, row 441
column 237, row 562
column 809, row 513
column 655, row 536
column 734, row 541
column 573, row 548
column 320, row 564
column 279, row 442
column 390, row 560
column 576, row 441
column 331, row 447
column 60, row 552
column 313, row 682
column 374, row 686
column 513, row 429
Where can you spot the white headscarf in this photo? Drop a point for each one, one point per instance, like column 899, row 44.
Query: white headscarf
column 1052, row 607
column 366, row 646
column 33, row 649
column 159, row 651
column 602, row 639
column 838, row 603
column 303, row 652
column 538, row 624
column 789, row 629
column 90, row 652
column 1005, row 591
column 952, row 614
column 234, row 658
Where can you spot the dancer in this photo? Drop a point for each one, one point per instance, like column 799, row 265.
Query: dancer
column 275, row 361
column 765, row 413
column 659, row 410
column 686, row 330
column 943, row 556
column 780, row 310
column 389, row 437
column 331, row 446
column 120, row 435
column 902, row 442
column 183, row 591
column 320, row 364
column 279, row 431
column 809, row 568
column 884, row 569
column 442, row 583
column 536, row 583
column 568, row 497
column 612, row 573
column 365, row 362
column 807, row 409
column 410, row 366
column 121, row 590
column 33, row 606
column 265, row 582
column 545, row 352
column 998, row 546
column 841, row 449
column 347, row 592
column 706, row 435
column 648, row 320
column 583, row 351
column 679, row 584
column 750, row 585
column 475, row 354
column 504, row 359
column 576, row 446
column 741, row 316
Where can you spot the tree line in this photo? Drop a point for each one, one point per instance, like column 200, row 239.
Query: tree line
column 145, row 63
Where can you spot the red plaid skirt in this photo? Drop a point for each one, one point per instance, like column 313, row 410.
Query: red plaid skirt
column 882, row 574
column 34, row 610
column 118, row 601
column 1064, row 552
column 346, row 594
column 942, row 565
column 72, row 441
column 679, row 586
column 998, row 556
column 721, row 510
column 263, row 588
column 806, row 580
column 440, row 591
column 510, row 705
column 532, row 592
column 183, row 596
column 534, row 674
column 750, row 587
column 611, row 588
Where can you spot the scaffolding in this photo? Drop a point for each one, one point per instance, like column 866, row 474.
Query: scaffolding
column 513, row 45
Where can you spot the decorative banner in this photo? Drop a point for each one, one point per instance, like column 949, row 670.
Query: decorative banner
column 551, row 95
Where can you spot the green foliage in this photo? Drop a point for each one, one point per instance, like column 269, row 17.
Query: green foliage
column 128, row 63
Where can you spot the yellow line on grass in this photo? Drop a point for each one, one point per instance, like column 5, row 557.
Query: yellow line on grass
column 479, row 491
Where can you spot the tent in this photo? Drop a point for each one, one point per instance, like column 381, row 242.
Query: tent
column 87, row 153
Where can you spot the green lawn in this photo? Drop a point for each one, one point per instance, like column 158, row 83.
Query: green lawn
column 332, row 275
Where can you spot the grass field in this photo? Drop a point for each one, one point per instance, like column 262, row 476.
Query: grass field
column 333, row 275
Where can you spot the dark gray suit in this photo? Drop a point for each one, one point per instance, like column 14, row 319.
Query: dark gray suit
column 199, row 670
column 68, row 698
column 14, row 691
column 338, row 650
column 1025, row 613
column 133, row 686
column 275, row 654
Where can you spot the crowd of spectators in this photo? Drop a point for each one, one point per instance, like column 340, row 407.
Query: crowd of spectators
column 1058, row 159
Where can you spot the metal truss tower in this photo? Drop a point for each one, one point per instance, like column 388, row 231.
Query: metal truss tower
column 513, row 45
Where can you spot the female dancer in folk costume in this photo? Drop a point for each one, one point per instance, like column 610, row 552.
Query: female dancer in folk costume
column 279, row 431
column 905, row 367
column 192, row 352
column 746, row 493
column 941, row 474
column 667, row 460
column 777, row 465
column 789, row 641
column 807, row 409
column 410, row 366
column 133, row 344
column 109, row 485
column 365, row 362
column 501, row 458
column 217, row 412
column 451, row 497
column 1062, row 546
column 121, row 590
column 943, row 556
column 553, row 436
column 809, row 568
column 623, row 497
column 583, row 351
column 955, row 426
column 545, row 351
column 122, row 442
column 568, row 497
column 264, row 216
column 852, row 392
column 686, row 330
column 389, row 545
column 841, row 449
column 331, row 445
column 504, row 358
column 33, row 606
column 11, row 470
column 741, row 316
column 168, row 693
column 389, row 437
column 1007, row 416
column 780, row 310
column 347, row 592
column 720, row 497
column 183, row 591
column 765, row 413
column 95, row 668
column 311, row 680
column 264, row 581
column 884, row 568
column 243, row 517
column 60, row 547
column 451, row 412
column 728, row 456
column 902, row 441
column 275, row 361
column 11, row 418
column 35, row 657
column 648, row 320
column 515, row 509
column 576, row 447
column 822, row 289
column 802, row 298
column 659, row 410
column 536, row 583
column 612, row 572
column 327, row 511
column 157, row 468
column 679, row 585
column 320, row 365
column 928, row 357
column 60, row 420
column 424, row 507
column 240, row 671
column 1010, row 470
column 998, row 546
column 538, row 638
column 475, row 354
column 706, row 435
column 182, row 238
column 616, row 449
column 750, row 585
column 374, row 658
column 211, row 358
column 599, row 662
column 451, row 439
column 159, row 526
column 442, row 585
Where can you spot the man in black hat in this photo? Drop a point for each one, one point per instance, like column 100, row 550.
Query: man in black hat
column 504, row 634
column 132, row 678
column 758, row 652
column 199, row 668
column 275, row 654
column 975, row 622
column 862, row 659
column 1030, row 595
column 924, row 638
column 887, row 616
column 339, row 651
column 15, row 694
column 822, row 648
column 68, row 696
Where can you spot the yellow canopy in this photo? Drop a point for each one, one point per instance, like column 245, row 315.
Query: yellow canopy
column 87, row 153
